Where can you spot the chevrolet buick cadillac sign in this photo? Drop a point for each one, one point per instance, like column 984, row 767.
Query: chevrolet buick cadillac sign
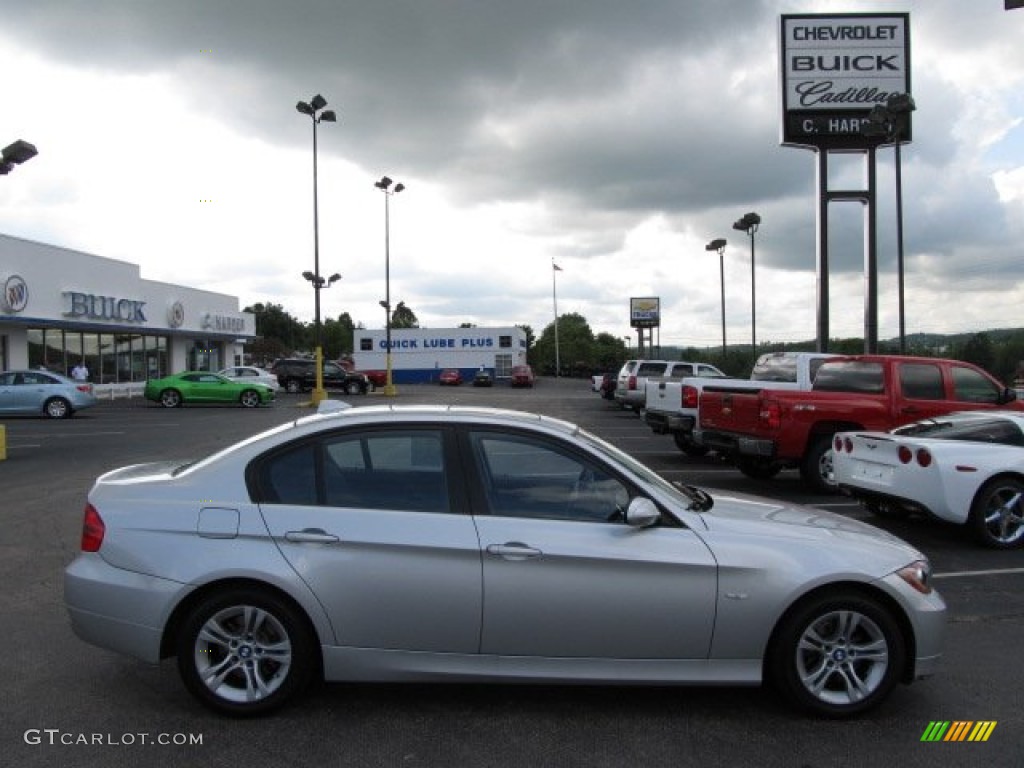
column 835, row 68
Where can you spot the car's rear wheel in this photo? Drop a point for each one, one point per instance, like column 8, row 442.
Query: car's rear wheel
column 353, row 388
column 170, row 398
column 997, row 513
column 245, row 652
column 250, row 398
column 687, row 446
column 57, row 408
column 758, row 469
column 817, row 468
column 837, row 655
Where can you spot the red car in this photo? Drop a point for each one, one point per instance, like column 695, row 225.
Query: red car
column 450, row 376
column 522, row 376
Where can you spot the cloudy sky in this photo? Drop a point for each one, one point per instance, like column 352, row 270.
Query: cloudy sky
column 615, row 138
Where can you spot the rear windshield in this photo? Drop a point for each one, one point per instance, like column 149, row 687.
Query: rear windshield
column 981, row 430
column 850, row 376
column 651, row 369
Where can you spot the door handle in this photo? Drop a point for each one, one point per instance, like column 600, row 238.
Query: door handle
column 311, row 536
column 513, row 551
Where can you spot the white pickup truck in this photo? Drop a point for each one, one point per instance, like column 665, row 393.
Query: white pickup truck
column 671, row 403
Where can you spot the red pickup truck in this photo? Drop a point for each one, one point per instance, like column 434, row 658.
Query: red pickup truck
column 768, row 430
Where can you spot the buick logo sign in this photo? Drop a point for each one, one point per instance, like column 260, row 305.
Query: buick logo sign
column 15, row 295
column 176, row 314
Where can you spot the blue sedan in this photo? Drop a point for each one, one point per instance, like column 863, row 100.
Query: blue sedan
column 44, row 393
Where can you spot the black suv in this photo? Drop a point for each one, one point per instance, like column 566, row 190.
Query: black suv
column 298, row 374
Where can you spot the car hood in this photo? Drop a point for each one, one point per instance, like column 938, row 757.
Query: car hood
column 744, row 515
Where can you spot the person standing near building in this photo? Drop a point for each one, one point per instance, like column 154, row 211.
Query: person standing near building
column 80, row 372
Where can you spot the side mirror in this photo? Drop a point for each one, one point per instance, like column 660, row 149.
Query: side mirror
column 642, row 513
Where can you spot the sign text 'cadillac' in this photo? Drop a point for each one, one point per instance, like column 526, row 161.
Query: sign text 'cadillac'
column 835, row 68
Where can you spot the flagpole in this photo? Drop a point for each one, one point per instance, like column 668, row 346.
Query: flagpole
column 554, row 301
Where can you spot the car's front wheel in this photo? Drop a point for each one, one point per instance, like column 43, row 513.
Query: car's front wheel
column 293, row 386
column 170, row 398
column 837, row 655
column 245, row 652
column 57, row 408
column 997, row 513
column 250, row 398
column 353, row 388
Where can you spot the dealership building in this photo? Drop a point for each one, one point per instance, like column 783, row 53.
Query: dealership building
column 59, row 307
column 418, row 355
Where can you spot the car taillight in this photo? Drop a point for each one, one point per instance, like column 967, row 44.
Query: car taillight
column 92, row 530
column 690, row 397
column 771, row 414
column 905, row 454
column 841, row 443
column 924, row 457
column 87, row 388
column 632, row 383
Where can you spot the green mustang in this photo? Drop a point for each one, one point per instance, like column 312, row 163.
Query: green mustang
column 206, row 387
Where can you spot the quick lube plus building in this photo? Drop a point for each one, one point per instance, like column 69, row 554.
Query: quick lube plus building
column 418, row 355
column 59, row 307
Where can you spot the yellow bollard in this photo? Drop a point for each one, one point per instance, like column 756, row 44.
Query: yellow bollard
column 3, row 442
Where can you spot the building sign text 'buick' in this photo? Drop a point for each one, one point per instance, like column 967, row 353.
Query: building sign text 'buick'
column 88, row 306
column 835, row 68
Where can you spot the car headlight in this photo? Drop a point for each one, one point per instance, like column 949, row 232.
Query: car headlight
column 918, row 575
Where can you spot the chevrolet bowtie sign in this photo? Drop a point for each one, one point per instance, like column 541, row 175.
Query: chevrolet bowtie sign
column 835, row 68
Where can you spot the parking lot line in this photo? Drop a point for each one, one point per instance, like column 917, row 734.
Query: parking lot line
column 989, row 572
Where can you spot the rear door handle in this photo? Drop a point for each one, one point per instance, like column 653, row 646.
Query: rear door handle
column 513, row 550
column 311, row 536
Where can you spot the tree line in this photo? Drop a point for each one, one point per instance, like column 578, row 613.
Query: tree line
column 581, row 352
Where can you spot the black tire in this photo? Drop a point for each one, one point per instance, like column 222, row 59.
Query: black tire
column 57, row 408
column 837, row 655
column 758, row 469
column 244, row 652
column 997, row 513
column 354, row 388
column 687, row 446
column 170, row 398
column 293, row 386
column 816, row 468
column 250, row 398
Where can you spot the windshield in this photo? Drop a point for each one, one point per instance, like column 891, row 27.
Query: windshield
column 679, row 494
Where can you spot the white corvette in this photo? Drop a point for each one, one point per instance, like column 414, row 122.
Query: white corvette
column 965, row 467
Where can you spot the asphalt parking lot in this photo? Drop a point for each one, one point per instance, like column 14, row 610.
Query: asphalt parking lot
column 70, row 704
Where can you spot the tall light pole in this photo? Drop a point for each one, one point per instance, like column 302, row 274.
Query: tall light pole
column 889, row 122
column 16, row 154
column 315, row 109
column 749, row 224
column 555, row 269
column 384, row 185
column 719, row 245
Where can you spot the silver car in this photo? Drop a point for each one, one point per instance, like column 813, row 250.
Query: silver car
column 393, row 543
column 44, row 393
column 252, row 375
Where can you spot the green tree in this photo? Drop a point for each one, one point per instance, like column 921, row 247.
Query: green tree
column 609, row 352
column 280, row 334
column 575, row 346
column 978, row 350
column 403, row 317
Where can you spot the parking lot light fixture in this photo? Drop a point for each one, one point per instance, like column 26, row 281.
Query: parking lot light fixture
column 749, row 223
column 315, row 109
column 384, row 185
column 16, row 154
column 719, row 245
